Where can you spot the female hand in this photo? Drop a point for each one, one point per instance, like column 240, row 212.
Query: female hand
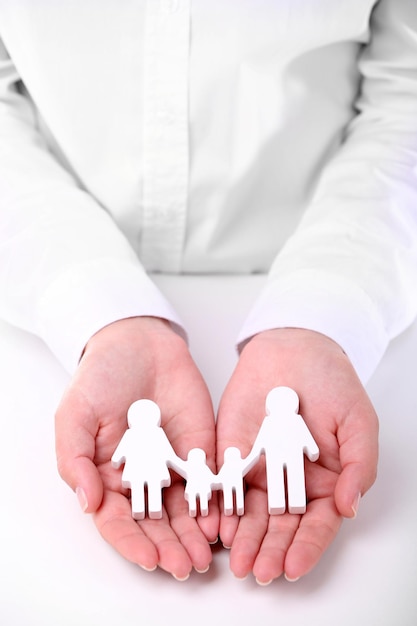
column 341, row 419
column 128, row 360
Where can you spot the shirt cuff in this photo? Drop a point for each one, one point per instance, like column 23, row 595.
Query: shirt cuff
column 89, row 296
column 328, row 304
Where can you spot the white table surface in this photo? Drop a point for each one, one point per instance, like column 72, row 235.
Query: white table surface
column 56, row 570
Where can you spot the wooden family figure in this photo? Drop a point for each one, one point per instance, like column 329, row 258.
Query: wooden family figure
column 283, row 438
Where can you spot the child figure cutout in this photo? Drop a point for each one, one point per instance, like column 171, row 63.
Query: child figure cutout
column 200, row 481
column 284, row 439
column 230, row 479
column 146, row 453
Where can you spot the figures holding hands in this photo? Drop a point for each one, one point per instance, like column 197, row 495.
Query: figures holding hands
column 283, row 438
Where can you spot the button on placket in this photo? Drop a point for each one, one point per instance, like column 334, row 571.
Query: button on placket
column 171, row 5
column 166, row 158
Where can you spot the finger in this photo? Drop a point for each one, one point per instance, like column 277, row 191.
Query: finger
column 187, row 529
column 318, row 527
column 350, row 488
column 269, row 563
column 172, row 556
column 250, row 533
column 116, row 525
column 210, row 523
column 358, row 439
column 228, row 525
column 75, row 430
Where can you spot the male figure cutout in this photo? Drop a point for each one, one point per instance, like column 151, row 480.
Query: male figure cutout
column 146, row 453
column 284, row 439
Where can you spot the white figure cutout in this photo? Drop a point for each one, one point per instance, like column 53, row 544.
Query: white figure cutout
column 230, row 479
column 146, row 453
column 200, row 481
column 284, row 439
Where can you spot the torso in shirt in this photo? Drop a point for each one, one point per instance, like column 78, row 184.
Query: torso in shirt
column 202, row 127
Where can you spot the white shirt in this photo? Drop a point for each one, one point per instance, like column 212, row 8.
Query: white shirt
column 222, row 136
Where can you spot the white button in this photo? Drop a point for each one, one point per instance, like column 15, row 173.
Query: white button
column 171, row 5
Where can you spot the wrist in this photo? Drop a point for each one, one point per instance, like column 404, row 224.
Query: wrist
column 129, row 329
column 292, row 336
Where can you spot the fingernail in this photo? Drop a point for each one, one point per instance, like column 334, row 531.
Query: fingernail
column 148, row 569
column 355, row 505
column 82, row 498
column 291, row 580
column 263, row 583
column 181, row 579
column 202, row 571
column 244, row 577
column 213, row 543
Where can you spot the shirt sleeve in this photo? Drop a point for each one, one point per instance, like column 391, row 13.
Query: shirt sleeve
column 350, row 269
column 65, row 268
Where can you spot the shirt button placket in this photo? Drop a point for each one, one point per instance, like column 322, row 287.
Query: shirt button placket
column 165, row 134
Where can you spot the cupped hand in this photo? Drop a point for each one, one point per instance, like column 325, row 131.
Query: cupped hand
column 125, row 361
column 341, row 419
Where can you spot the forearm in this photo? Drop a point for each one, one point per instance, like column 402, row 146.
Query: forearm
column 66, row 270
column 350, row 269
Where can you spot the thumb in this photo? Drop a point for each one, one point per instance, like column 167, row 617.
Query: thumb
column 75, row 430
column 359, row 458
